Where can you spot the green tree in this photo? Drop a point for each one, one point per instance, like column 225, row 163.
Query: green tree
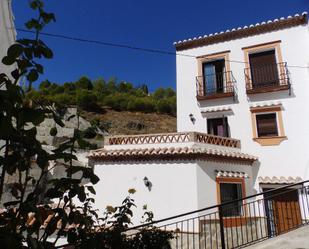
column 86, row 100
column 84, row 83
column 45, row 84
column 19, row 117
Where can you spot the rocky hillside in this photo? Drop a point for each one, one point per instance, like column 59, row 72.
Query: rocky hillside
column 130, row 123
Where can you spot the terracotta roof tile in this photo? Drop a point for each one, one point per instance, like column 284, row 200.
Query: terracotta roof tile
column 240, row 32
column 279, row 180
column 167, row 153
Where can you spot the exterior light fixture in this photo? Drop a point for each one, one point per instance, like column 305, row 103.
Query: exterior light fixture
column 192, row 118
column 147, row 183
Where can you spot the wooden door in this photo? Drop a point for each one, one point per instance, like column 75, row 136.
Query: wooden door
column 286, row 211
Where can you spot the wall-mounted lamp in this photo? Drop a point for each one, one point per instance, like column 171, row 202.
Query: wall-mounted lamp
column 192, row 118
column 147, row 183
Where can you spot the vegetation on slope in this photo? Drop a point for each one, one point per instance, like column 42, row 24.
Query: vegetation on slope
column 120, row 96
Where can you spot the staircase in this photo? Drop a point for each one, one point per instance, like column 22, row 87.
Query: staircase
column 267, row 217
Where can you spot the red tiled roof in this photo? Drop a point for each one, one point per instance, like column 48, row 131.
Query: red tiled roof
column 241, row 32
column 165, row 153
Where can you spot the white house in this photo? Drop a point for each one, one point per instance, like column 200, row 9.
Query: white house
column 252, row 84
column 244, row 90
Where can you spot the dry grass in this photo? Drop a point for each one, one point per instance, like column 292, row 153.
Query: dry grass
column 130, row 123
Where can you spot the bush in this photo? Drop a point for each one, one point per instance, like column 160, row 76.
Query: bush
column 62, row 99
column 167, row 106
column 141, row 105
column 84, row 83
column 121, row 96
column 86, row 100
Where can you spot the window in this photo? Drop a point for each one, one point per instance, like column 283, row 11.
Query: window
column 214, row 79
column 265, row 71
column 218, row 127
column 230, row 192
column 266, row 125
column 263, row 68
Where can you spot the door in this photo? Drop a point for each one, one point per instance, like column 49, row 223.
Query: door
column 283, row 211
column 264, row 69
column 209, row 72
column 287, row 211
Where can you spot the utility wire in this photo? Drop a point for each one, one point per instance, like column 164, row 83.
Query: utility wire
column 118, row 45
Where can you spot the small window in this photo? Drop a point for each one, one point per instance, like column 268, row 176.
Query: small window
column 267, row 125
column 230, row 192
column 218, row 127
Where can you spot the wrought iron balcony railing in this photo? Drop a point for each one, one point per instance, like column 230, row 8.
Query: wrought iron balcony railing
column 267, row 78
column 218, row 85
column 237, row 223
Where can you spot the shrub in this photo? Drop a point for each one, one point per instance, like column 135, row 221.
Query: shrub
column 86, row 100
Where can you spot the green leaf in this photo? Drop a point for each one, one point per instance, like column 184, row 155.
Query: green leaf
column 31, row 115
column 47, row 52
column 8, row 60
column 53, row 193
column 33, row 75
column 53, row 131
column 91, row 189
column 15, row 50
column 94, row 179
column 39, row 68
column 15, row 74
column 34, row 5
column 47, row 17
column 31, row 23
column 58, row 120
column 42, row 159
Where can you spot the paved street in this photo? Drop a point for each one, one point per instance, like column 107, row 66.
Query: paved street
column 297, row 239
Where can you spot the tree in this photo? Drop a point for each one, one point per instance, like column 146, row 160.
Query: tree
column 20, row 115
column 84, row 83
column 86, row 100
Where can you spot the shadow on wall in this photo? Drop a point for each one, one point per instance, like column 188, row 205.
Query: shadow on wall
column 271, row 96
column 217, row 102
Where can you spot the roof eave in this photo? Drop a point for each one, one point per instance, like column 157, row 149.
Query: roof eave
column 172, row 157
column 244, row 32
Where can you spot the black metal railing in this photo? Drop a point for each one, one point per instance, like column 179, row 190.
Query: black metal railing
column 267, row 76
column 219, row 84
column 240, row 222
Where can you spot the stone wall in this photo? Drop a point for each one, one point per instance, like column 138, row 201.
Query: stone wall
column 209, row 236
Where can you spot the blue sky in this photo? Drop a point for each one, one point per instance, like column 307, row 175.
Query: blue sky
column 150, row 24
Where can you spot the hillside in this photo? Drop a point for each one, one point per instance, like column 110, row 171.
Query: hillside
column 130, row 123
column 115, row 107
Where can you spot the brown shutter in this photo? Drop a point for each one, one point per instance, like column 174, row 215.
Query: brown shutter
column 267, row 125
column 263, row 67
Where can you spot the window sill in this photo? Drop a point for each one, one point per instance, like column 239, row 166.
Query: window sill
column 268, row 141
column 215, row 96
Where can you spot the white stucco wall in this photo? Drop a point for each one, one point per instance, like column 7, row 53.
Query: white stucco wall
column 291, row 157
column 173, row 186
column 206, row 180
column 178, row 186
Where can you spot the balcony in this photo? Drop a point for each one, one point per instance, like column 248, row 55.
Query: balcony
column 212, row 86
column 267, row 78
